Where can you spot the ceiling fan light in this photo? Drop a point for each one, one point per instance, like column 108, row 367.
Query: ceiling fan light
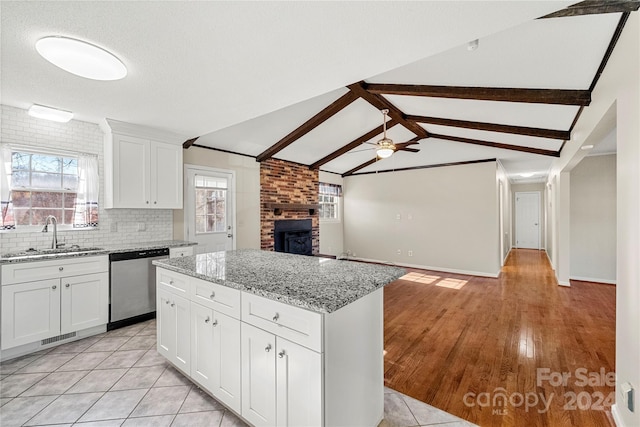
column 48, row 113
column 384, row 153
column 81, row 58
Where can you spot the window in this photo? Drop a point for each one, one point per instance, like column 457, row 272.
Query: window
column 211, row 204
column 329, row 198
column 37, row 184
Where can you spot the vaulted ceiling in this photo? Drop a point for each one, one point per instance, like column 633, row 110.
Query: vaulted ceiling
column 304, row 81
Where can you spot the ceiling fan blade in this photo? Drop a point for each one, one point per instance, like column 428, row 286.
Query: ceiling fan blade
column 402, row 145
column 411, row 150
column 362, row 149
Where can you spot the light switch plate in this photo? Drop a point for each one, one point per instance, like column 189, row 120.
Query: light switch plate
column 626, row 390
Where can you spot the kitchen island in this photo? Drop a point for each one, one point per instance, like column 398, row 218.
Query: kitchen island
column 280, row 339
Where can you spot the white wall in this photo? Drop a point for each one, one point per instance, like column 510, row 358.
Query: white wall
column 593, row 219
column 618, row 90
column 247, row 172
column 331, row 232
column 532, row 187
column 448, row 218
column 19, row 128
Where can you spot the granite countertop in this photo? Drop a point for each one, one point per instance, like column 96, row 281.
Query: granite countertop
column 318, row 284
column 74, row 252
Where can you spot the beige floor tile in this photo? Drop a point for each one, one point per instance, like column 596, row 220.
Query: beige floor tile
column 171, row 377
column 98, row 380
column 208, row 418
column 48, row 363
column 198, row 401
column 114, row 405
column 121, row 359
column 19, row 410
column 157, row 421
column 14, row 385
column 143, row 377
column 65, row 409
column 161, row 401
column 396, row 412
column 55, row 383
column 109, row 344
column 84, row 361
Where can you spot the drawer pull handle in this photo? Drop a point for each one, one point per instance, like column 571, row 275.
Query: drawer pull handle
column 60, row 268
column 276, row 317
column 281, row 354
column 215, row 322
column 67, row 285
column 267, row 348
column 207, row 320
column 213, row 295
column 54, row 287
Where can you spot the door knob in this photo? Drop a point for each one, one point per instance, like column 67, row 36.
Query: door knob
column 229, row 235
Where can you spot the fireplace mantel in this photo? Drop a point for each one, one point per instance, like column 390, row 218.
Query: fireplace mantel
column 279, row 207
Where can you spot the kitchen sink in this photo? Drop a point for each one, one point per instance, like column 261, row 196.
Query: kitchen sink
column 45, row 253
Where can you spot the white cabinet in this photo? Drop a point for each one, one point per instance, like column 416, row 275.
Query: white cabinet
column 173, row 313
column 30, row 312
column 215, row 354
column 281, row 381
column 143, row 167
column 45, row 299
column 180, row 252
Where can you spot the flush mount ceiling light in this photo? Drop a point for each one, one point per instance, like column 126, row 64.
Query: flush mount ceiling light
column 48, row 113
column 386, row 147
column 527, row 175
column 81, row 58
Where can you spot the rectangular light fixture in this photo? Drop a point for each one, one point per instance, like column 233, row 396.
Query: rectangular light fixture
column 48, row 113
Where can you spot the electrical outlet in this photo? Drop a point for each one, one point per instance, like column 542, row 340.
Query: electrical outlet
column 142, row 226
column 410, row 253
column 113, row 227
column 409, row 217
column 399, row 252
column 398, row 216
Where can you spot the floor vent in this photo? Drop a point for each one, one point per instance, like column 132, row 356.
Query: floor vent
column 58, row 338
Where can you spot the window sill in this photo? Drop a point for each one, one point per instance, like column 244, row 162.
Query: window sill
column 38, row 229
column 330, row 221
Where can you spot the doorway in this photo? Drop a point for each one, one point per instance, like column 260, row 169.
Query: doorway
column 528, row 220
column 209, row 208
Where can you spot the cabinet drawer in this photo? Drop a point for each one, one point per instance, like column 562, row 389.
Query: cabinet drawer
column 171, row 281
column 219, row 298
column 65, row 267
column 293, row 323
column 180, row 252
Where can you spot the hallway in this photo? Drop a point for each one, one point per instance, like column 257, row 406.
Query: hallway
column 493, row 351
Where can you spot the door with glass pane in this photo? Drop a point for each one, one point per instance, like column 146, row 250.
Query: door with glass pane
column 209, row 217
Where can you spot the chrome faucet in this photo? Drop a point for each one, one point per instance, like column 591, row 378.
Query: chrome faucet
column 54, row 240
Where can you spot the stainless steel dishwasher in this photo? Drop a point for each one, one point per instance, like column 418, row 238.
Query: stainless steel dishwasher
column 133, row 286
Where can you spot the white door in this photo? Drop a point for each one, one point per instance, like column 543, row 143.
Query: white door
column 84, row 301
column 299, row 386
column 258, row 376
column 209, row 208
column 528, row 220
column 30, row 312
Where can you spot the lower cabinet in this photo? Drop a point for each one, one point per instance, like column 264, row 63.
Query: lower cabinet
column 281, row 381
column 33, row 311
column 174, row 322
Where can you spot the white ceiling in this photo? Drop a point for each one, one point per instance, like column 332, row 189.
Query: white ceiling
column 242, row 75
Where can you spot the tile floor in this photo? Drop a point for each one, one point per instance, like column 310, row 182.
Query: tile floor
column 118, row 379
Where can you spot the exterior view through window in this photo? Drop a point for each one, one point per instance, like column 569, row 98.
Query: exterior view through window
column 211, row 204
column 329, row 198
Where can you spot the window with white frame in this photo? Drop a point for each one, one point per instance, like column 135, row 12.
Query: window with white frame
column 211, row 204
column 37, row 184
column 329, row 198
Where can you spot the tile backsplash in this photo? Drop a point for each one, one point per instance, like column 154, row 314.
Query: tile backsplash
column 17, row 127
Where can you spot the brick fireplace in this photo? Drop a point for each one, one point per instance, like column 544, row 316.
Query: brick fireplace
column 294, row 189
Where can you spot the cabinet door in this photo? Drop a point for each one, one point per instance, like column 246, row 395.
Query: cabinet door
column 166, row 176
column 84, row 301
column 182, row 358
column 166, row 324
column 131, row 159
column 258, row 376
column 299, row 385
column 30, row 312
column 202, row 346
column 226, row 360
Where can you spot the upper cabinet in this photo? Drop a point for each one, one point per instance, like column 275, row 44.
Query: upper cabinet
column 143, row 167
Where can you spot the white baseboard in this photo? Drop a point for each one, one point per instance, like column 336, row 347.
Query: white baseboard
column 591, row 279
column 504, row 260
column 616, row 416
column 427, row 267
column 550, row 262
column 561, row 283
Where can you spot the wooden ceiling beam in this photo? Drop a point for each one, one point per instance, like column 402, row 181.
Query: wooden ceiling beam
column 189, row 142
column 531, row 96
column 518, row 130
column 357, row 168
column 596, row 7
column 530, row 150
column 353, row 144
column 381, row 103
column 308, row 126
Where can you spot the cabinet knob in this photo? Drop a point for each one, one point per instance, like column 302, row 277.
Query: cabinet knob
column 155, row 203
column 276, row 317
column 167, row 302
column 173, row 304
column 171, row 282
column 147, row 202
column 267, row 348
column 67, row 285
column 215, row 322
column 281, row 354
column 213, row 295
column 60, row 268
column 207, row 320
column 54, row 287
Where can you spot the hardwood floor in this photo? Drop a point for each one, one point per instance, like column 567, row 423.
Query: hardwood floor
column 456, row 342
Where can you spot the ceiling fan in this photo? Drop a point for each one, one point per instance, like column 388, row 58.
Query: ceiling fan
column 385, row 147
